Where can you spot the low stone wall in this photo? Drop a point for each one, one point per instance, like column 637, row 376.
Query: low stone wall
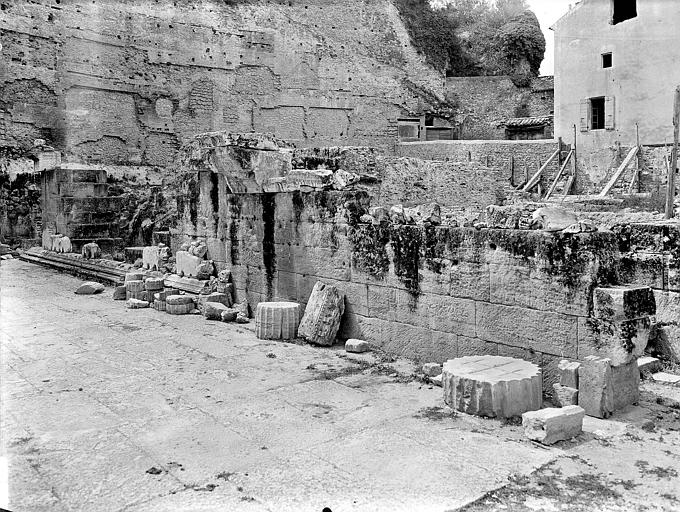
column 514, row 161
column 428, row 293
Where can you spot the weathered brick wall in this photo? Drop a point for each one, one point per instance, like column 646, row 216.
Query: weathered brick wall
column 426, row 293
column 456, row 184
column 510, row 161
column 484, row 102
column 123, row 82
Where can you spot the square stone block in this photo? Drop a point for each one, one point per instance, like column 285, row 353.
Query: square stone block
column 620, row 303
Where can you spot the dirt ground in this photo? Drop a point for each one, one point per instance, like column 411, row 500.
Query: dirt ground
column 108, row 409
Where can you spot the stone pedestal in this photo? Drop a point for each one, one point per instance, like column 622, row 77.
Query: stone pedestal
column 492, row 386
column 277, row 320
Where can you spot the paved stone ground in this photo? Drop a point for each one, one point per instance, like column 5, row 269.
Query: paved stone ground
column 94, row 396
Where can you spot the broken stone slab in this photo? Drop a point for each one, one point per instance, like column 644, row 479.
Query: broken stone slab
column 432, row 369
column 187, row 284
column 552, row 218
column 137, row 304
column 492, row 386
column 321, row 321
column 177, row 300
column 229, row 315
column 620, row 303
column 342, row 179
column 664, row 341
column 120, row 293
column 277, row 320
column 89, row 288
column 318, row 179
column 186, row 264
column 179, row 309
column 666, row 378
column 134, row 276
column 242, row 319
column 596, row 394
column 222, row 298
column 437, row 380
column 564, row 395
column 357, row 346
column 548, row 426
column 648, row 364
column 582, row 226
column 214, row 310
column 568, row 371
column 154, row 284
column 134, row 286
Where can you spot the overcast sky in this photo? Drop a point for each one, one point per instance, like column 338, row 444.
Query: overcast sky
column 548, row 12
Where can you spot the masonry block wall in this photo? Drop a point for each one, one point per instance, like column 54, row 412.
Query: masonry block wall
column 427, row 293
column 651, row 257
column 484, row 102
column 511, row 161
column 120, row 82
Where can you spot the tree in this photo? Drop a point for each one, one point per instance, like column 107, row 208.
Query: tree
column 522, row 47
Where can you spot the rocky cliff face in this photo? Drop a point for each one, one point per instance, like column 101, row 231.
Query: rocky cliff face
column 126, row 82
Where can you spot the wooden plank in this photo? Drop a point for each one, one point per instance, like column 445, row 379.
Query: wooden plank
column 567, row 188
column 552, row 188
column 670, row 190
column 534, row 179
column 619, row 172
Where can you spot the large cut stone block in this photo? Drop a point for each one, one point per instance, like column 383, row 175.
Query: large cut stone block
column 277, row 320
column 550, row 425
column 626, row 384
column 213, row 310
column 622, row 342
column 119, row 293
column 568, row 371
column 321, row 320
column 187, row 265
column 90, row 288
column 596, row 393
column 492, row 386
column 564, row 395
column 179, row 309
column 619, row 303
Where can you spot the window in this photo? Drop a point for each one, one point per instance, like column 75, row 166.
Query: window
column 597, row 114
column 623, row 10
column 606, row 60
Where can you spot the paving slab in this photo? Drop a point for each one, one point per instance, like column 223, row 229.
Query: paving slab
column 94, row 396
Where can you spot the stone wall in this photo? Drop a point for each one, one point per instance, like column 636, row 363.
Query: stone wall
column 484, row 102
column 428, row 293
column 122, row 82
column 511, row 161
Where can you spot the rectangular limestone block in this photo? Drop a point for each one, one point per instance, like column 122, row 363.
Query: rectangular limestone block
column 187, row 264
column 564, row 395
column 626, row 384
column 551, row 425
column 542, row 331
column 621, row 341
column 568, row 373
column 596, row 393
column 619, row 303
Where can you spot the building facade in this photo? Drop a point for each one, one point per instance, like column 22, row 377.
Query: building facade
column 617, row 64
